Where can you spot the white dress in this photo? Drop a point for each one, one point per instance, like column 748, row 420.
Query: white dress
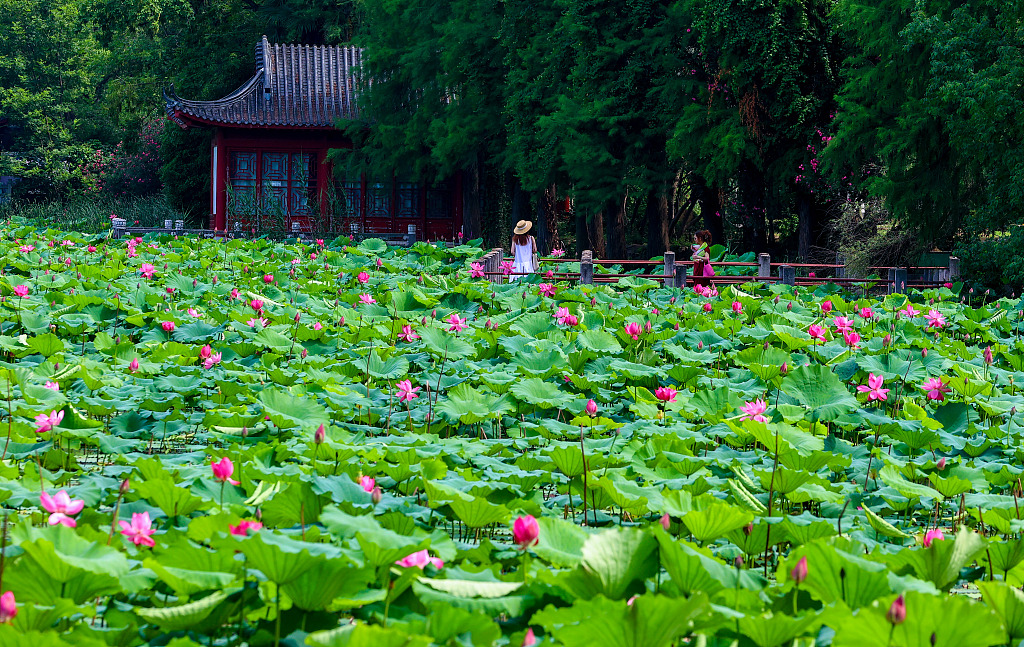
column 523, row 261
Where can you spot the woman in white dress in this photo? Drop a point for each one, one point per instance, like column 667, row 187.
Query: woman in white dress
column 524, row 250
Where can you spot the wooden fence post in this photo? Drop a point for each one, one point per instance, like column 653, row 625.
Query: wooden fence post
column 681, row 275
column 764, row 266
column 670, row 269
column 587, row 267
column 840, row 271
column 788, row 274
column 496, row 255
column 897, row 280
column 954, row 269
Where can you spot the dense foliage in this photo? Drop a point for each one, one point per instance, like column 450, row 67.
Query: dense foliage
column 766, row 123
column 253, row 443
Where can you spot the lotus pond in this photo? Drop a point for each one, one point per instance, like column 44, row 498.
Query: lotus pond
column 253, row 443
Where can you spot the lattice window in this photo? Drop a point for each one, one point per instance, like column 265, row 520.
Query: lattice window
column 439, row 202
column 378, row 200
column 408, row 200
column 272, row 183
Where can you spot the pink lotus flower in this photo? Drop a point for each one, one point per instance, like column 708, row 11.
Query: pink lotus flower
column 234, row 293
column 506, row 267
column 707, row 307
column 363, row 277
column 192, row 312
column 147, row 270
column 367, row 483
column 910, row 311
column 851, row 339
column 168, row 326
column 406, row 391
column 419, row 560
column 268, row 278
column 931, row 536
column 212, row 361
column 256, row 305
column 91, row 248
column 547, row 289
column 633, row 330
column 476, row 270
column 936, row 389
column 408, row 334
column 948, row 286
column 134, row 366
column 53, row 386
column 139, row 530
column 27, row 248
column 457, row 324
column 8, row 607
column 842, row 324
column 222, row 470
column 565, row 317
column 244, row 526
column 21, row 290
column 525, row 531
column 665, row 521
column 205, row 352
column 816, row 332
column 317, row 326
column 737, row 307
column 320, row 242
column 874, row 388
column 261, row 322
column 866, row 313
column 61, row 508
column 665, row 394
column 557, row 253
column 591, row 407
column 380, row 263
column 46, row 422
column 935, row 319
column 366, row 299
column 169, row 290
column 754, row 410
column 826, row 306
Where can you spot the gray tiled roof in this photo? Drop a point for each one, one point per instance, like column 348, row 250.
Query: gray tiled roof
column 305, row 86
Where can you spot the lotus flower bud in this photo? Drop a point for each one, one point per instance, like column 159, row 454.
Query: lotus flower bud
column 941, row 465
column 672, row 300
column 897, row 613
column 924, row 352
column 593, row 301
column 591, row 408
column 799, row 572
column 245, row 432
column 318, row 435
column 676, row 327
column 529, row 640
column 784, row 368
column 887, row 339
column 297, row 317
column 700, row 345
column 776, row 300
column 304, row 353
column 988, row 354
column 749, row 528
column 125, row 486
column 789, row 306
column 433, row 313
column 376, row 495
column 738, row 562
column 666, row 521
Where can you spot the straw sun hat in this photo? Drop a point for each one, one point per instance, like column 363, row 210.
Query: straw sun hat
column 522, row 227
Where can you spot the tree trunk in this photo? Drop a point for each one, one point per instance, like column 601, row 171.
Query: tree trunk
column 752, row 208
column 471, row 203
column 520, row 202
column 542, row 223
column 657, row 220
column 582, row 233
column 595, row 233
column 615, row 214
column 711, row 211
column 804, row 226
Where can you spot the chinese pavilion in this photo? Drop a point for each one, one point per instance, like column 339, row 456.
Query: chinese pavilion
column 269, row 167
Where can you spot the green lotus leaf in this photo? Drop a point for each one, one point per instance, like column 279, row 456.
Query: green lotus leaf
column 818, row 389
column 651, row 621
column 184, row 616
